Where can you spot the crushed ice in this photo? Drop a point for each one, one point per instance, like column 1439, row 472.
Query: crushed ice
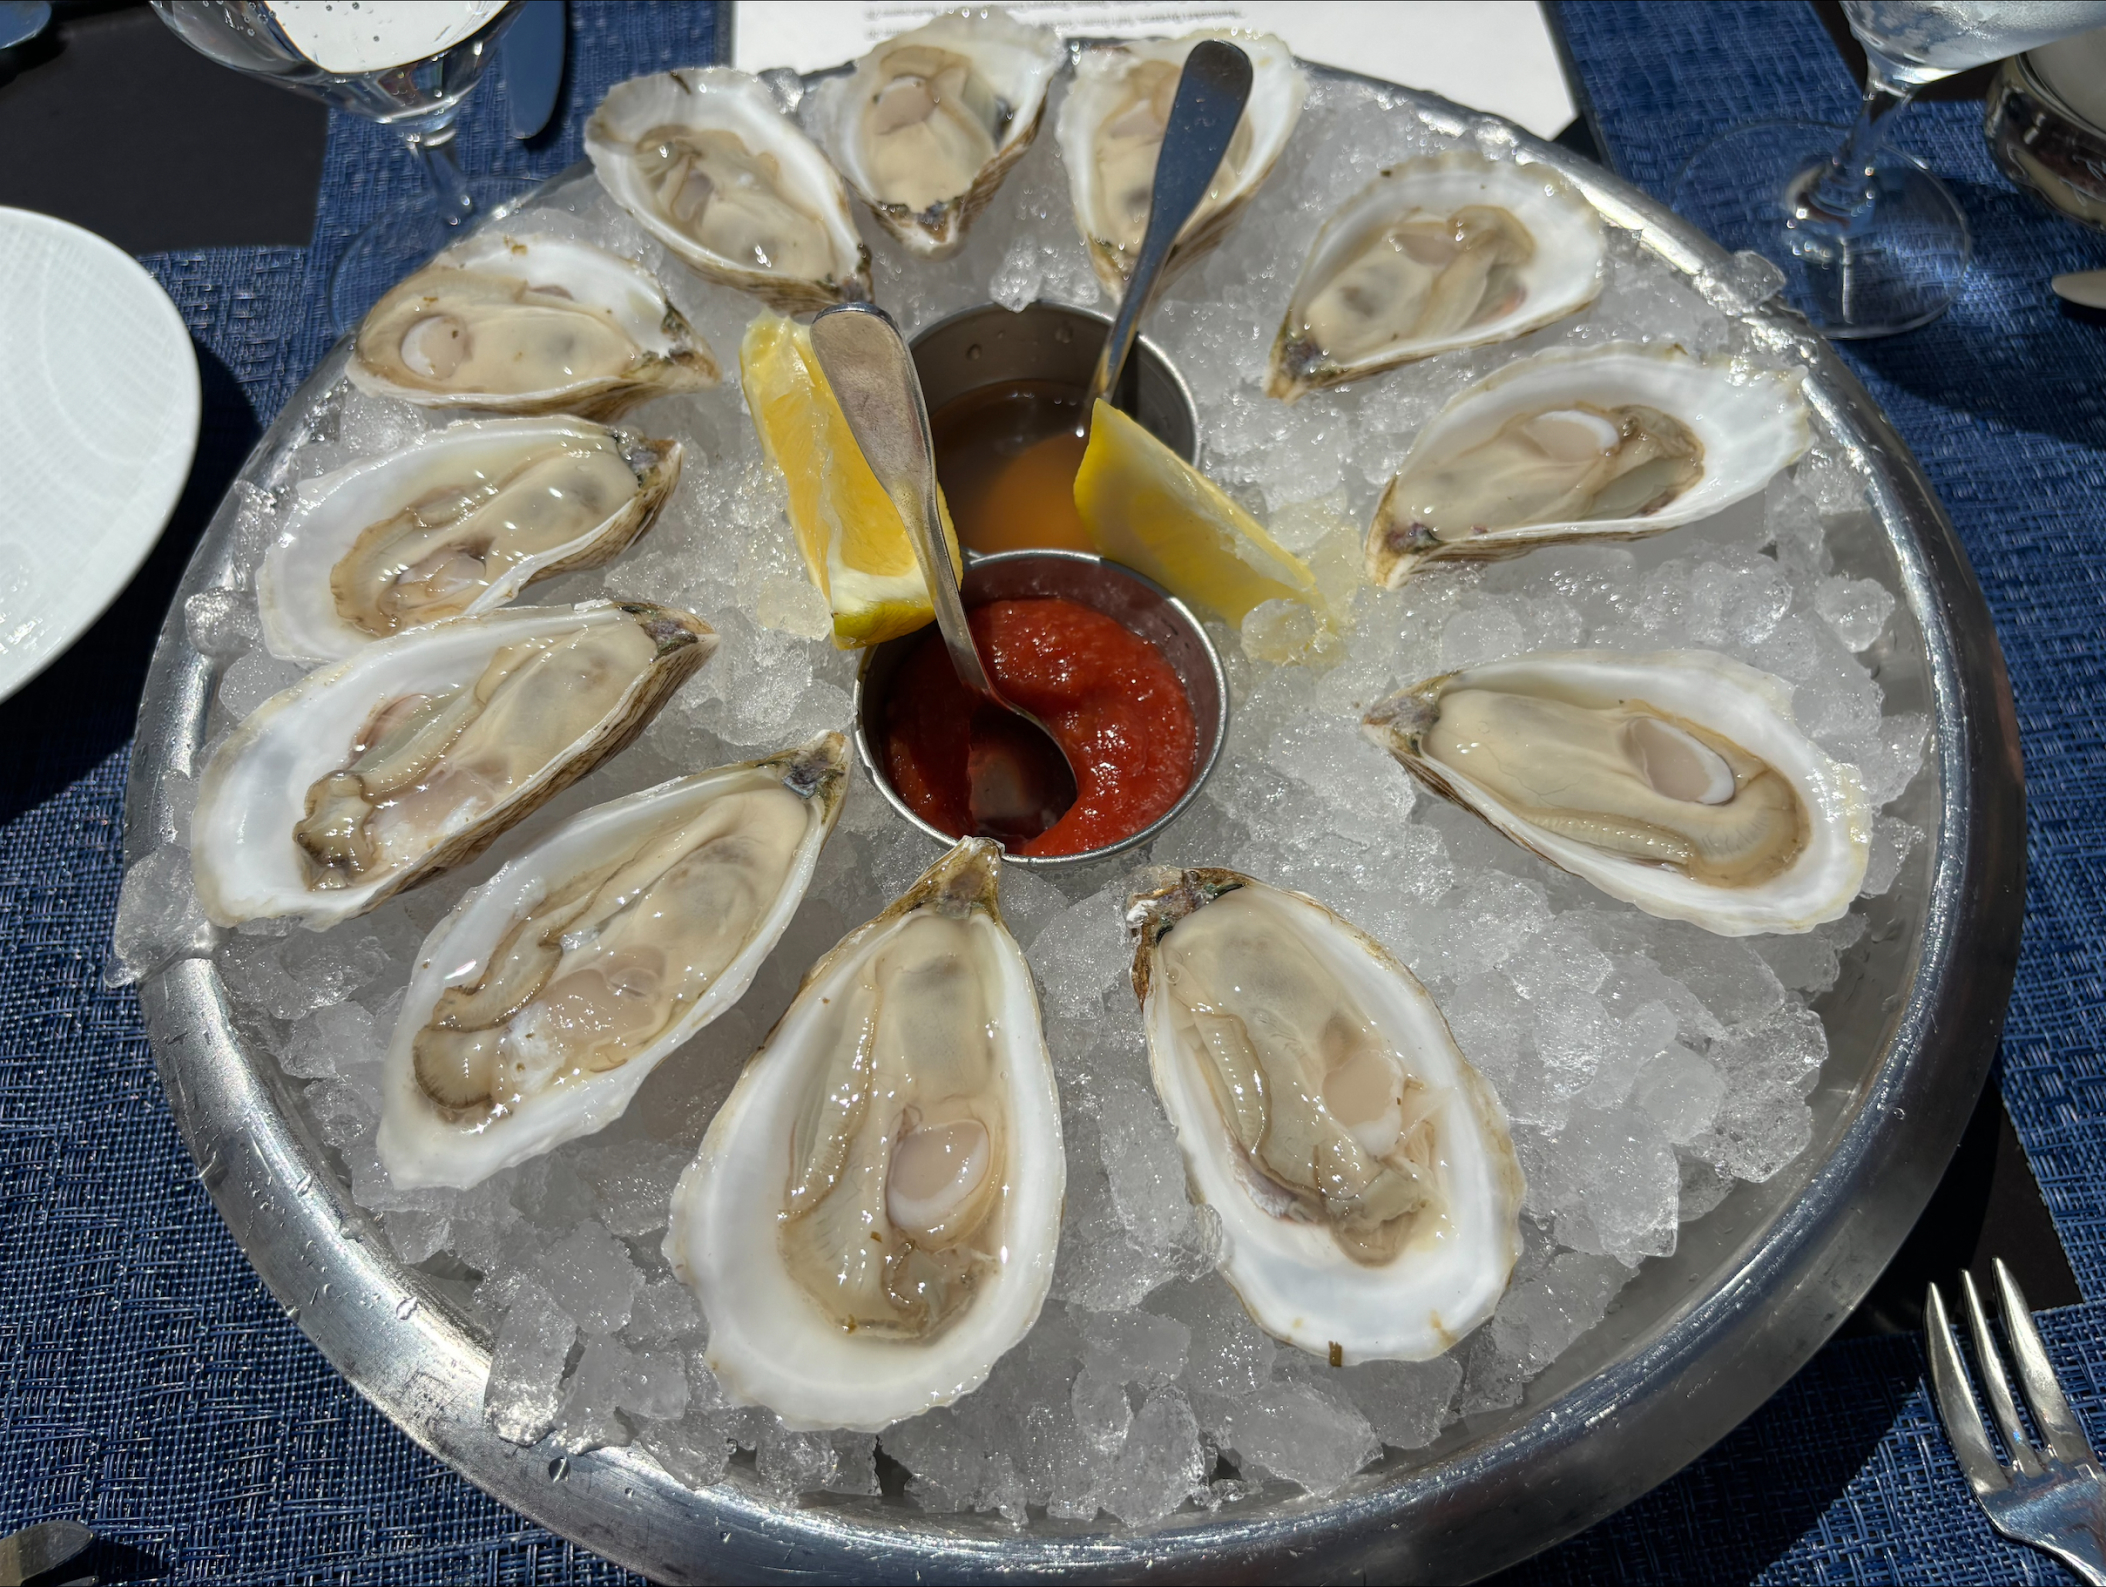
column 1646, row 1065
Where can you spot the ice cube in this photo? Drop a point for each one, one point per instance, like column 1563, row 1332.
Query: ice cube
column 1406, row 1402
column 1857, row 609
column 254, row 678
column 523, row 1391
column 1612, row 1184
column 663, row 1310
column 1135, row 1347
column 1892, row 839
column 339, row 1039
column 1160, row 1465
column 1297, row 1432
column 159, row 919
column 1680, row 1092
column 221, row 624
column 590, row 1275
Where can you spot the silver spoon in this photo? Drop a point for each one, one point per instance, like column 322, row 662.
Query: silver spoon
column 1019, row 779
column 1211, row 93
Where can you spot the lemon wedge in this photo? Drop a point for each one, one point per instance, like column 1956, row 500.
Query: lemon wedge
column 855, row 546
column 1147, row 507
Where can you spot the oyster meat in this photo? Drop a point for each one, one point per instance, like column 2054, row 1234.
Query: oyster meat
column 710, row 167
column 1677, row 781
column 460, row 522
column 414, row 754
column 929, row 122
column 1453, row 250
column 1363, row 1173
column 1613, row 442
column 872, row 1218
column 530, row 324
column 1110, row 130
column 540, row 1005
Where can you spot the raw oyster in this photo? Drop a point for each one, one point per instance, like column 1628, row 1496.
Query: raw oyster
column 929, row 123
column 1575, row 443
column 872, row 1218
column 1366, row 1184
column 704, row 160
column 376, row 773
column 1452, row 250
column 1110, row 130
column 532, row 324
column 1676, row 781
column 461, row 522
column 547, row 997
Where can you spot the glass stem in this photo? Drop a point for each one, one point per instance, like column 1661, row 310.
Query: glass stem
column 1843, row 191
column 432, row 143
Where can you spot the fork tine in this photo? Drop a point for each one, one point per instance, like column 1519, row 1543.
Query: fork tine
column 1963, row 1423
column 1996, row 1388
column 2051, row 1413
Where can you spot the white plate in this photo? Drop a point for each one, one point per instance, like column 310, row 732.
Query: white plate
column 98, row 424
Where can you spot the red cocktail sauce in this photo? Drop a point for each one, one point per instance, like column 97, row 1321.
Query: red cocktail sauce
column 1107, row 696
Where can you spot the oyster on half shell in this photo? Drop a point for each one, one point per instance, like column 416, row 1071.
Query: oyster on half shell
column 413, row 755
column 539, row 1006
column 710, row 167
column 1453, row 250
column 1578, row 443
column 1677, row 781
column 461, row 522
column 528, row 324
column 1363, row 1173
column 930, row 121
column 1110, row 130
column 872, row 1218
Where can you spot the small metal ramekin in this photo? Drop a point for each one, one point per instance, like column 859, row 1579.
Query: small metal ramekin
column 992, row 346
column 1138, row 604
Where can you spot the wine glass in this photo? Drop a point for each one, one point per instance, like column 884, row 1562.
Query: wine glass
column 1869, row 241
column 406, row 64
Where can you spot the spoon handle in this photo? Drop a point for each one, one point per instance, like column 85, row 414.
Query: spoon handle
column 872, row 373
column 1211, row 93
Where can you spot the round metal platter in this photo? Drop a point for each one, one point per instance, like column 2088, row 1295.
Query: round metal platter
column 1695, row 1343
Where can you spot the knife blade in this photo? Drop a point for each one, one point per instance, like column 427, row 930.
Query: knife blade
column 532, row 53
column 40, row 1548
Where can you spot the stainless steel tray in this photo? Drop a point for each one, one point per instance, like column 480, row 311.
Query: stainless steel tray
column 1695, row 1343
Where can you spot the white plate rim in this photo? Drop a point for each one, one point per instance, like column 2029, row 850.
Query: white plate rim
column 127, row 552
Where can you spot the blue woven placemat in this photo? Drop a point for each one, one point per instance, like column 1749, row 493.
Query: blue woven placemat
column 150, row 1386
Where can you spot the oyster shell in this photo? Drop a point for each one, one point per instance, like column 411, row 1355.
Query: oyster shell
column 1366, row 1184
column 1110, row 130
column 1676, row 781
column 528, row 324
column 1613, row 442
column 540, row 1005
column 411, row 756
column 872, row 1218
column 930, row 121
column 461, row 522
column 710, row 167
column 1453, row 250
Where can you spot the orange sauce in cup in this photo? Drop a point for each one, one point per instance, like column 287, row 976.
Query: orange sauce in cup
column 1006, row 456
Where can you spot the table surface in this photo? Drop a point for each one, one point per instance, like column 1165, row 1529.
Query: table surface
column 152, row 1388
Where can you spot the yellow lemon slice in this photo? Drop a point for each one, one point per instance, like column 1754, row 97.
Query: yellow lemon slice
column 855, row 546
column 1147, row 507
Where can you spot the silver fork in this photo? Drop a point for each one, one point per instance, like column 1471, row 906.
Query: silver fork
column 2053, row 1497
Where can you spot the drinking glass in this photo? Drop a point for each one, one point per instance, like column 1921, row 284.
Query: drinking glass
column 406, row 64
column 1869, row 241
